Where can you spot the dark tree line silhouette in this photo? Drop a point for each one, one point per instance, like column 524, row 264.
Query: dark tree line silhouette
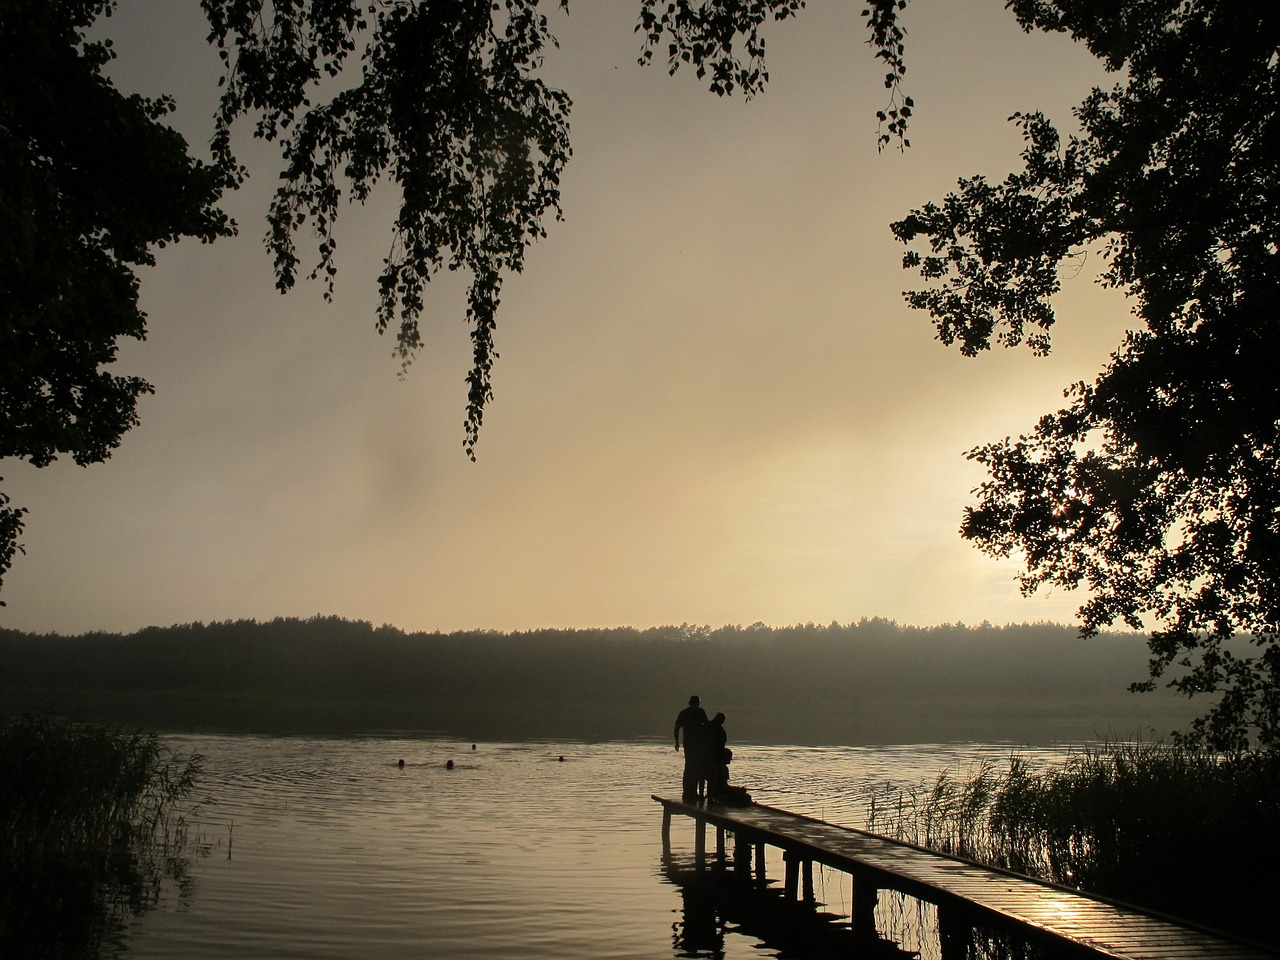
column 585, row 682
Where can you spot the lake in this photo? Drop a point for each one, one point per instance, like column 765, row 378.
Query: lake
column 327, row 848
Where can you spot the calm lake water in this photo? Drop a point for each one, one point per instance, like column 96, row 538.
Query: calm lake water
column 326, row 848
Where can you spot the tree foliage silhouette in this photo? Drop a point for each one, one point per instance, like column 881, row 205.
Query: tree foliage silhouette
column 1157, row 487
column 449, row 107
column 91, row 180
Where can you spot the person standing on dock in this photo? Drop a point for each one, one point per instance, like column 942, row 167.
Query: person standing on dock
column 691, row 720
column 714, row 769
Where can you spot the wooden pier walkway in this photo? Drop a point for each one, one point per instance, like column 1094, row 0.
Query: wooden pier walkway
column 966, row 894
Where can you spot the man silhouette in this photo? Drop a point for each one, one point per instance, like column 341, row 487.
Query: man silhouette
column 691, row 720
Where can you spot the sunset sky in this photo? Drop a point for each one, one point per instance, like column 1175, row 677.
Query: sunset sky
column 712, row 405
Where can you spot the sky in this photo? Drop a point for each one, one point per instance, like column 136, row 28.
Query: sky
column 712, row 404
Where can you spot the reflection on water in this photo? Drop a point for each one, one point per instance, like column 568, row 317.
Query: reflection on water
column 714, row 907
column 700, row 930
column 329, row 848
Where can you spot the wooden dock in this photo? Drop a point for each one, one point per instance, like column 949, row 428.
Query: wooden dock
column 967, row 895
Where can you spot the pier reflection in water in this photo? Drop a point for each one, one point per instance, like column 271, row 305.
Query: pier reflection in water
column 715, row 905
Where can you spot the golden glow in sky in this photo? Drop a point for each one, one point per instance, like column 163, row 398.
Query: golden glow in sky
column 712, row 405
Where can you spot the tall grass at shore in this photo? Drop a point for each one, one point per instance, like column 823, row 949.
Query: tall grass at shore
column 1181, row 831
column 92, row 823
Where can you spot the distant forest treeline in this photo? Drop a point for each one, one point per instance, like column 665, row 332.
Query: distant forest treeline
column 869, row 681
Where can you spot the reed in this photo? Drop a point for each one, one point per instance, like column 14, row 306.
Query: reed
column 92, row 823
column 1175, row 829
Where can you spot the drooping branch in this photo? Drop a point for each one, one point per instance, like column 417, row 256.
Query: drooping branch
column 449, row 108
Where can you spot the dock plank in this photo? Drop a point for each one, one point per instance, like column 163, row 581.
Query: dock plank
column 1046, row 912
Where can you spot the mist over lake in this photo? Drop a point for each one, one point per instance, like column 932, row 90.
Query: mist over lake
column 873, row 681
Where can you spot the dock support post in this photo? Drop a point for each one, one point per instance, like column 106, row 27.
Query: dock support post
column 808, row 882
column 865, row 897
column 792, row 881
column 720, row 844
column 666, row 834
column 953, row 934
column 741, row 860
column 760, row 877
column 700, row 844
